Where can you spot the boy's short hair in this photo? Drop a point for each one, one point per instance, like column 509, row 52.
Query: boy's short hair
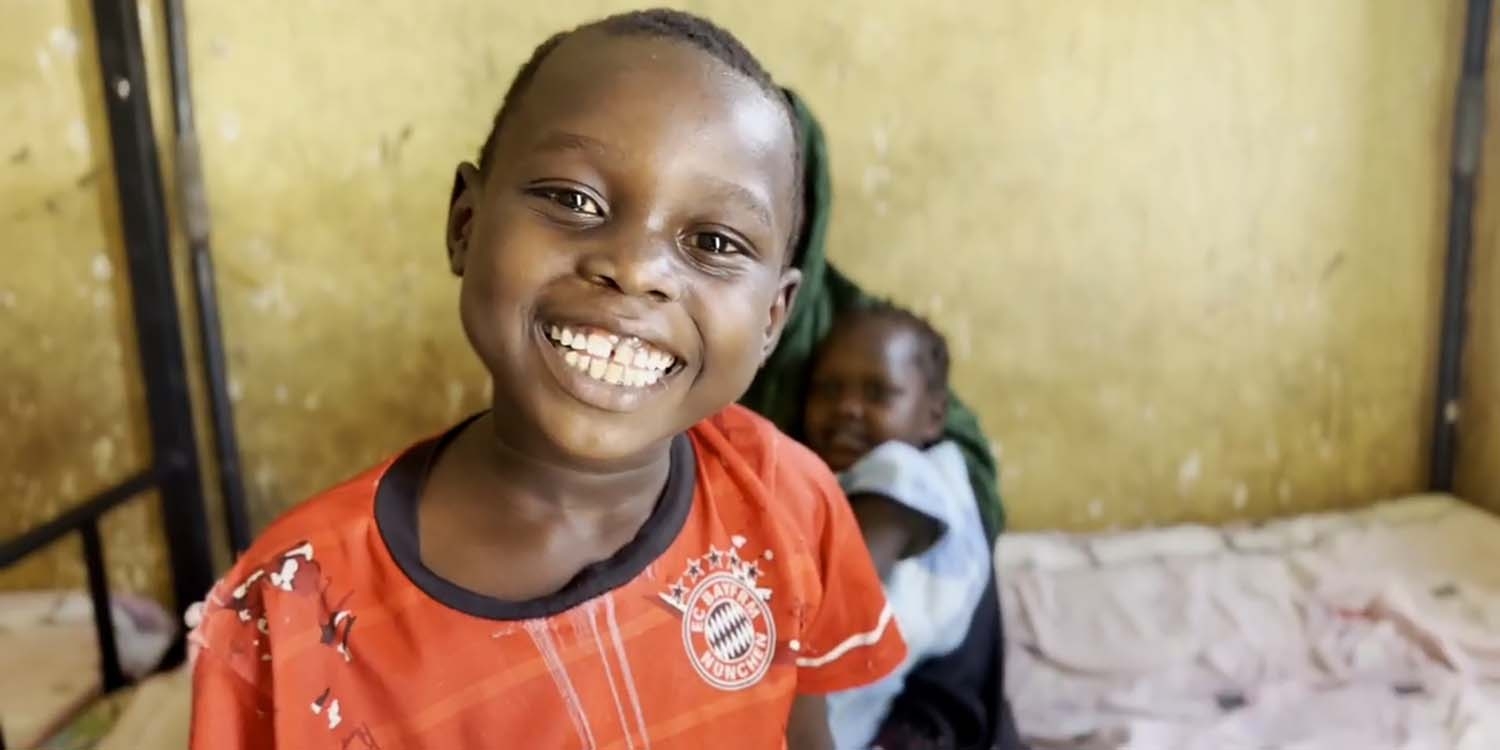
column 932, row 346
column 662, row 23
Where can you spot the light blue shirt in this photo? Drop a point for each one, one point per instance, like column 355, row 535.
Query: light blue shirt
column 933, row 595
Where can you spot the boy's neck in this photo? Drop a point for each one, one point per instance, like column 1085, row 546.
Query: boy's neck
column 497, row 519
column 537, row 485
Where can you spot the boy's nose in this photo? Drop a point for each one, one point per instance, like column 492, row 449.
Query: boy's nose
column 849, row 406
column 640, row 268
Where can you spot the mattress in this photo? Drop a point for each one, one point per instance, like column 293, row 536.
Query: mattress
column 50, row 659
column 1378, row 628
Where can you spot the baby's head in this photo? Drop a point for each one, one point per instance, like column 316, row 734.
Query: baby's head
column 625, row 238
column 880, row 375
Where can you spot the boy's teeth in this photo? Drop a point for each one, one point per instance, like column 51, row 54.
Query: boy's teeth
column 609, row 358
column 613, row 373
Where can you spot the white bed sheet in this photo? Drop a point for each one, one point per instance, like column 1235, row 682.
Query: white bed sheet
column 1373, row 629
column 49, row 657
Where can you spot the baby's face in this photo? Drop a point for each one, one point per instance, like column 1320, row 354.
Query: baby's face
column 622, row 260
column 867, row 389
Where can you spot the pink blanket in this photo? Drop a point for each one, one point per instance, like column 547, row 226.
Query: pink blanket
column 1376, row 629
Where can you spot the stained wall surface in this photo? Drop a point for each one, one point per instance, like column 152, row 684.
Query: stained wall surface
column 1186, row 253
column 1479, row 422
column 70, row 397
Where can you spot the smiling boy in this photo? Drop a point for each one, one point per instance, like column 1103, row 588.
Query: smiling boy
column 612, row 556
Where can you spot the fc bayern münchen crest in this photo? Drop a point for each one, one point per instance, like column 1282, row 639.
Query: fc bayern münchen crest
column 727, row 627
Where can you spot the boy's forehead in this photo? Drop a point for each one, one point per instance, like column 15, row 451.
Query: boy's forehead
column 877, row 341
column 634, row 95
column 867, row 328
column 592, row 61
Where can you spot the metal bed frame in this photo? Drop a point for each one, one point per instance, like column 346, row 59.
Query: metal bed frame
column 176, row 471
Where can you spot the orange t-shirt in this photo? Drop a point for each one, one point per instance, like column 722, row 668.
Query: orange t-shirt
column 748, row 584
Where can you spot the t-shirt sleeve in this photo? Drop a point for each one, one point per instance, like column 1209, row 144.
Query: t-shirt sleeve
column 850, row 639
column 232, row 706
column 906, row 476
column 229, row 713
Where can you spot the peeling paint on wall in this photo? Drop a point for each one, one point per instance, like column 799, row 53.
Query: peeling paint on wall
column 1186, row 253
column 68, row 395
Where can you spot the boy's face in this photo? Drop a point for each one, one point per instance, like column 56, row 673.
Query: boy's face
column 623, row 258
column 868, row 389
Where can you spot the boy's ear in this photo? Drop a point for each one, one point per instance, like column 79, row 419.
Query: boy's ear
column 466, row 184
column 781, row 309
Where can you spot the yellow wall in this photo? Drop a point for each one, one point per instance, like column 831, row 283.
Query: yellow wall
column 1479, row 448
column 70, row 400
column 1186, row 252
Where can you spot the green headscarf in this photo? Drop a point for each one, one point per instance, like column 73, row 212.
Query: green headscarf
column 780, row 390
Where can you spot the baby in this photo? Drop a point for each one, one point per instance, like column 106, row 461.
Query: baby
column 875, row 413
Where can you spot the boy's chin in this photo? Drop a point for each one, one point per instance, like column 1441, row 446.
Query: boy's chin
column 839, row 460
column 606, row 441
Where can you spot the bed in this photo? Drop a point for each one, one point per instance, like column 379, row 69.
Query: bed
column 153, row 715
column 1378, row 628
column 50, row 658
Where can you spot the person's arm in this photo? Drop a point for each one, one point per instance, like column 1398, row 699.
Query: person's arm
column 892, row 531
column 807, row 729
column 231, row 702
column 904, row 500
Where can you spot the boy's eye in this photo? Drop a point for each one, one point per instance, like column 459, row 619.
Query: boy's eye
column 714, row 243
column 574, row 201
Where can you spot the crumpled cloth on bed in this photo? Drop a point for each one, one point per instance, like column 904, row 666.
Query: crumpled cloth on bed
column 143, row 630
column 1376, row 629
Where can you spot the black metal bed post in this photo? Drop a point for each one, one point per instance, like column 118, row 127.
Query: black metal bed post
column 196, row 223
column 83, row 518
column 1468, row 138
column 143, row 218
